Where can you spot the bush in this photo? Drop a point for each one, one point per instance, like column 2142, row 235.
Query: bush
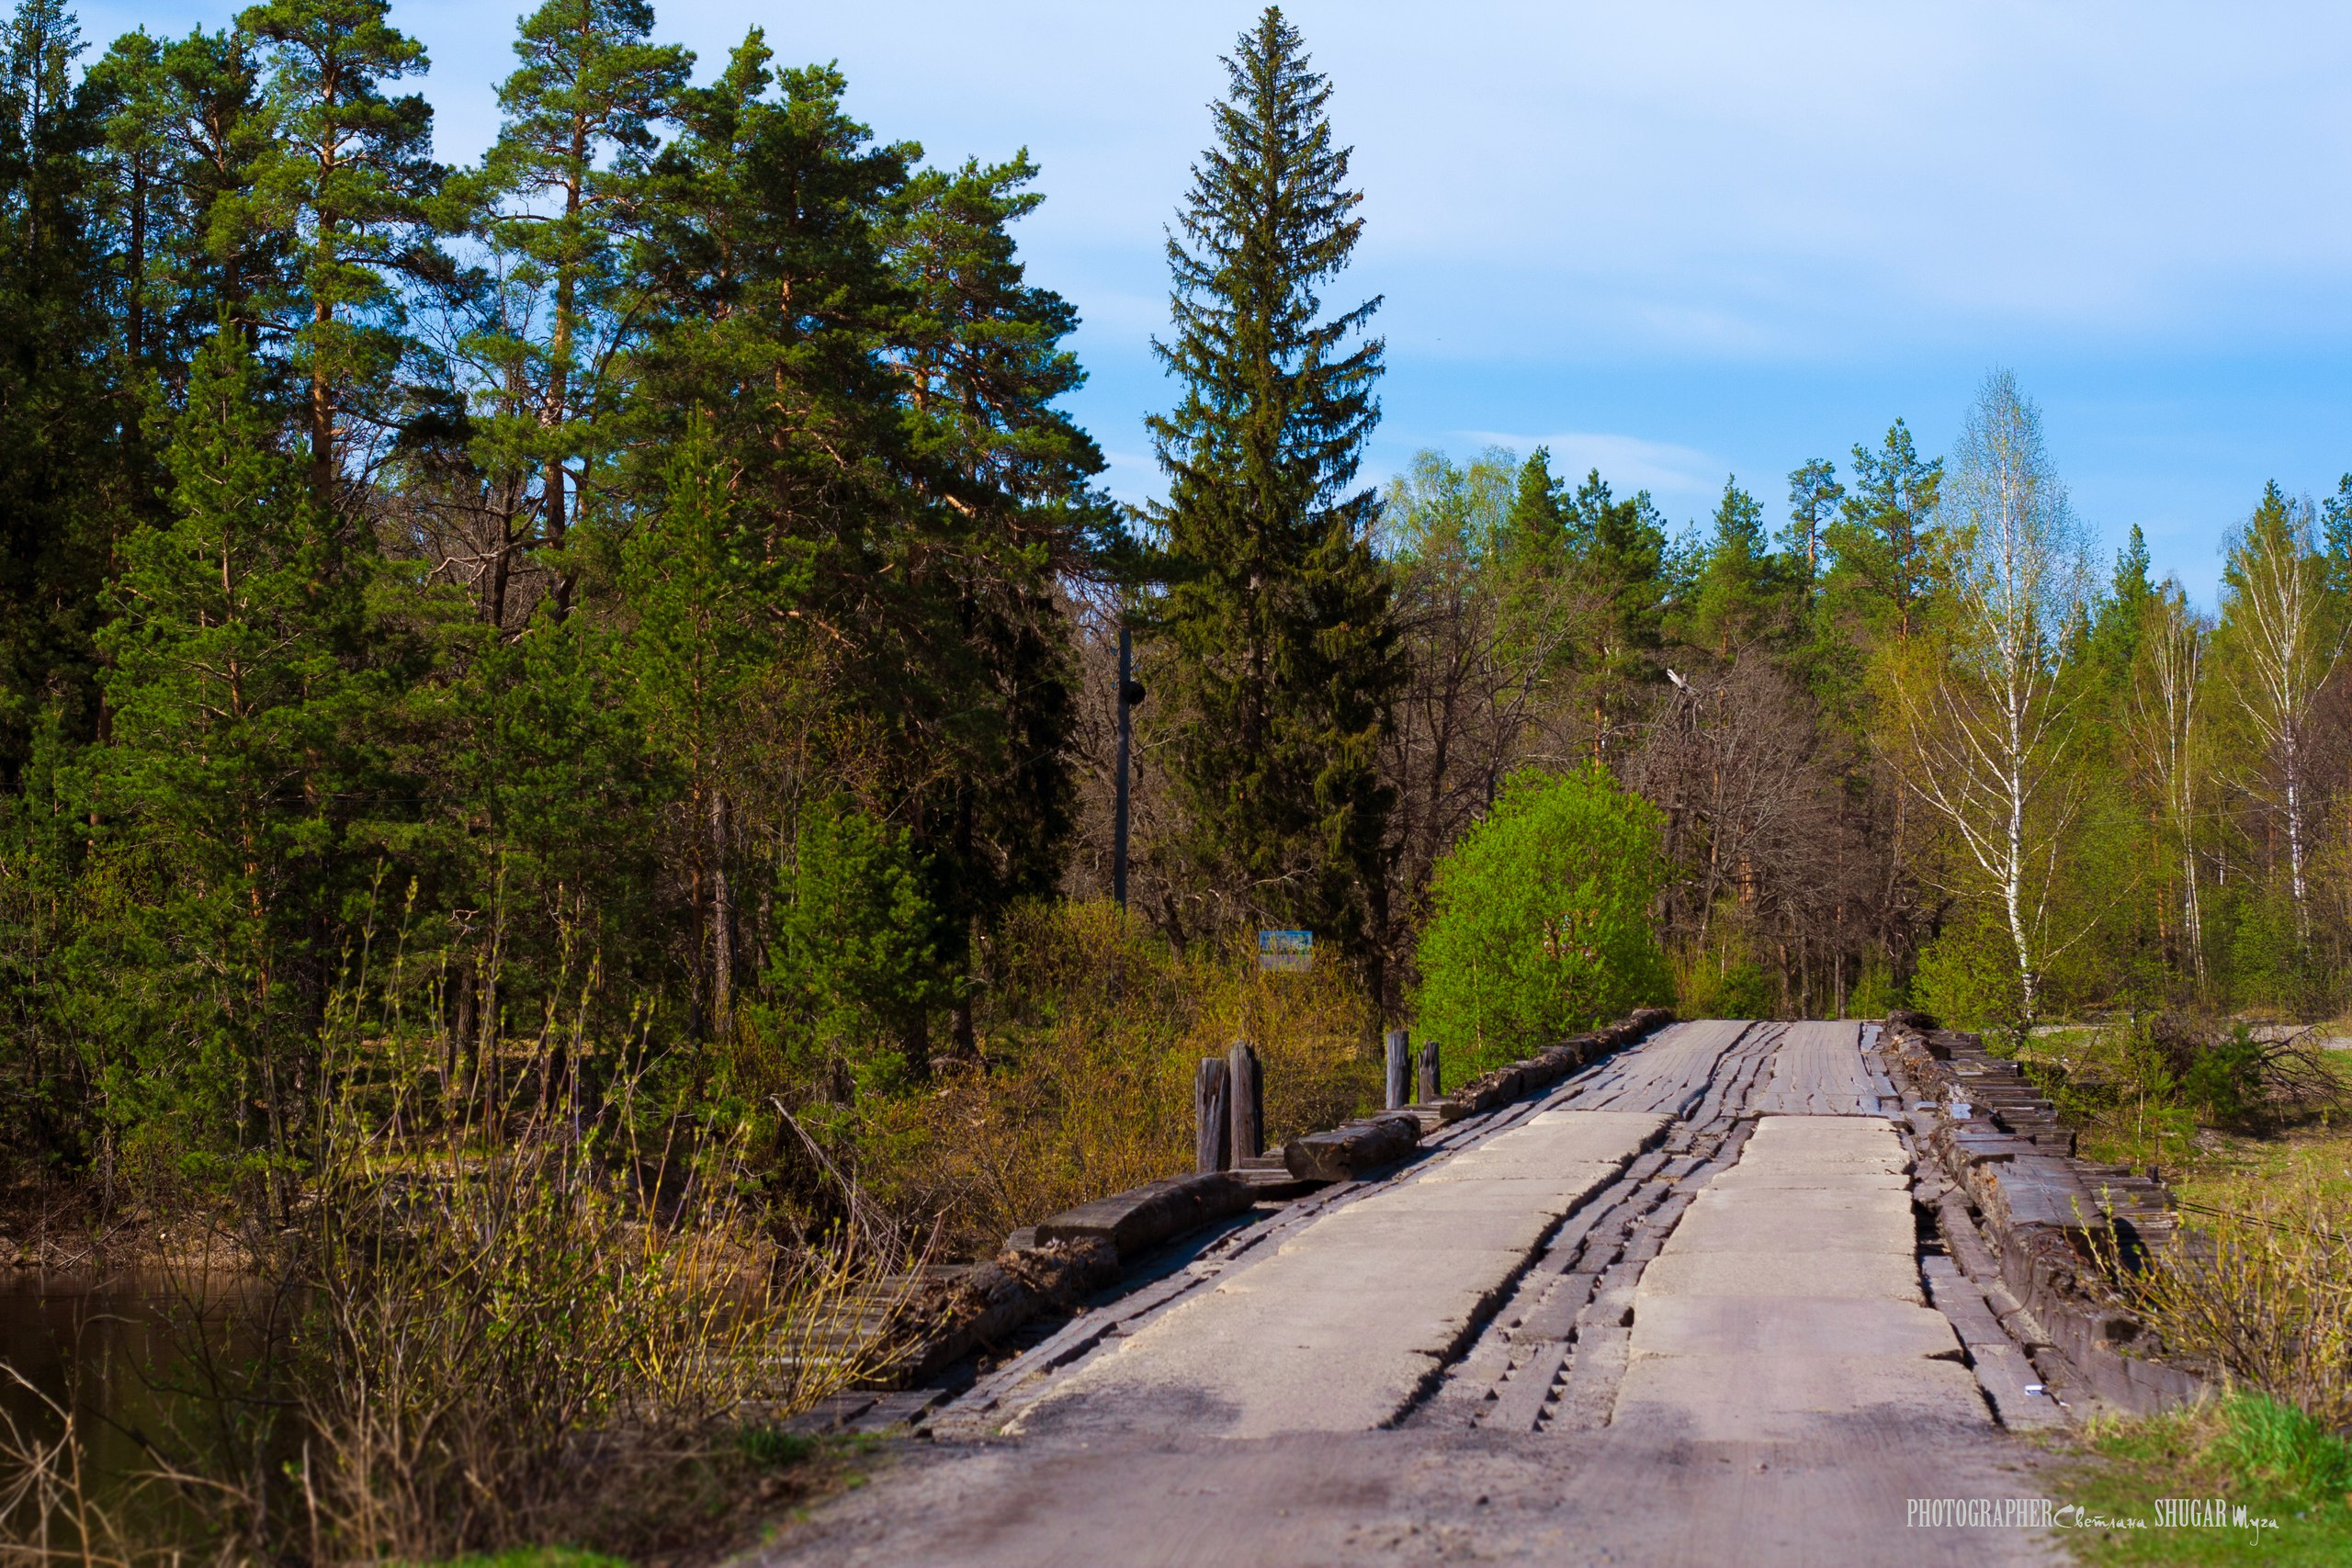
column 1968, row 977
column 2223, row 1080
column 1541, row 924
column 2258, row 1288
column 1725, row 982
column 1090, row 1030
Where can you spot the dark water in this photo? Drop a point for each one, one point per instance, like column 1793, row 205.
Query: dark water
column 116, row 1352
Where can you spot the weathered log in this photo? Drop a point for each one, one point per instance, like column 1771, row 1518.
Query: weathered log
column 1212, row 1127
column 944, row 1325
column 1141, row 1218
column 1348, row 1151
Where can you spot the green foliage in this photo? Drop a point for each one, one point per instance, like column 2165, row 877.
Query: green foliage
column 855, row 958
column 1542, row 920
column 1968, row 976
column 773, row 1448
column 1875, row 993
column 2281, row 1451
column 1726, row 982
column 2223, row 1082
column 1275, row 657
column 75, row 473
column 1882, row 546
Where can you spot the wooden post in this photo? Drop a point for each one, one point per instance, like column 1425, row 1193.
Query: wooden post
column 1212, row 1127
column 1400, row 1044
column 1246, row 1091
column 1428, row 1084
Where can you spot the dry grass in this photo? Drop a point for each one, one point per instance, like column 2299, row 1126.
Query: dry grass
column 1092, row 1031
column 494, row 1311
column 2258, row 1283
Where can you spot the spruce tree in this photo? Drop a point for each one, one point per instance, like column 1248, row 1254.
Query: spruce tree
column 1277, row 660
column 66, row 478
column 244, row 750
column 1740, row 594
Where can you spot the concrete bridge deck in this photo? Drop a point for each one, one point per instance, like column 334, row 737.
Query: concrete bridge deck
column 1673, row 1312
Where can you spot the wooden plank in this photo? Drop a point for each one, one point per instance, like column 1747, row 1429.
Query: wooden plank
column 1555, row 1315
column 1520, row 1403
column 1595, row 1370
column 1961, row 1302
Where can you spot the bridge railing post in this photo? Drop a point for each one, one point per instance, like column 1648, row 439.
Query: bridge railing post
column 1245, row 1093
column 1211, row 1122
column 1429, row 1072
column 1400, row 1052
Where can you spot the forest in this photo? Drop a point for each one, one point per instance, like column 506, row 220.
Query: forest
column 635, row 606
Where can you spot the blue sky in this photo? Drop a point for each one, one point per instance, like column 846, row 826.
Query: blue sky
column 1680, row 240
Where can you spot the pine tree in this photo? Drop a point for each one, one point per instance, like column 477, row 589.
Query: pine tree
column 985, row 363
column 1813, row 493
column 343, row 184
column 560, row 194
column 1277, row 659
column 1883, row 544
column 1618, row 552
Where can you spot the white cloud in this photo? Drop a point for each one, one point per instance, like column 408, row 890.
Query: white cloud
column 1628, row 462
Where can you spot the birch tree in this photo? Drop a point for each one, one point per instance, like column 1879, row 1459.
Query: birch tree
column 1989, row 721
column 2284, row 643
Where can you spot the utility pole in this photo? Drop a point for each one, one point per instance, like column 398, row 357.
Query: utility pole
column 1129, row 696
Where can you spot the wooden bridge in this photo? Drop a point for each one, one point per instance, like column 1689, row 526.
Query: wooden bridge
column 1738, row 1293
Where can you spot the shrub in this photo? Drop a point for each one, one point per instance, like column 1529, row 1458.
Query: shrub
column 2259, row 1290
column 1090, row 1030
column 1968, row 977
column 1724, row 981
column 1542, row 924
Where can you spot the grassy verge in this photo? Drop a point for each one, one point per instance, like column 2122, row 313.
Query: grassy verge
column 2251, row 1452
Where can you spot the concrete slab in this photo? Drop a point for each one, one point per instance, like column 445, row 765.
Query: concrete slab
column 1785, row 1398
column 1476, row 1187
column 1855, row 1178
column 1788, row 1325
column 1828, row 1275
column 1790, row 1231
column 1838, row 1198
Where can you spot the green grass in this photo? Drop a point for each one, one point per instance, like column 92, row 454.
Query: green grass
column 536, row 1557
column 2251, row 1450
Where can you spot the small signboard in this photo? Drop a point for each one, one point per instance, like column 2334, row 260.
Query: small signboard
column 1285, row 953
